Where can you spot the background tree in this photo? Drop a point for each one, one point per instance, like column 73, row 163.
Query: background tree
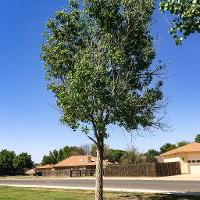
column 98, row 63
column 151, row 156
column 186, row 17
column 197, row 138
column 182, row 143
column 22, row 162
column 167, row 147
column 115, row 155
column 6, row 162
column 67, row 151
column 51, row 158
column 77, row 151
column 61, row 155
column 56, row 156
column 132, row 156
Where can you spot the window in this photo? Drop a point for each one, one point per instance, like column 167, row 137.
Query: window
column 193, row 161
column 189, row 161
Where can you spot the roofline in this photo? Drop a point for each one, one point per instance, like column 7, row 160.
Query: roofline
column 180, row 150
column 168, row 153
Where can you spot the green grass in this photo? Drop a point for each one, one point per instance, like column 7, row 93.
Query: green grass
column 12, row 193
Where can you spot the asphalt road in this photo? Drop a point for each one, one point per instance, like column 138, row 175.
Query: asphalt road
column 172, row 186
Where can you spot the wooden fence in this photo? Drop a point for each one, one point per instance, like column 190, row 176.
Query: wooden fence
column 145, row 169
column 132, row 170
column 168, row 169
column 68, row 172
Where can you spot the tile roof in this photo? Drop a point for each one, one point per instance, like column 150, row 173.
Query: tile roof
column 192, row 147
column 45, row 166
column 77, row 161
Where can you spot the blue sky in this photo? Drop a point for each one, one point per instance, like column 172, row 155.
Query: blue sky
column 28, row 117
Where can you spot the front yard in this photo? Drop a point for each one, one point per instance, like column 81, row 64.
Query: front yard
column 12, row 193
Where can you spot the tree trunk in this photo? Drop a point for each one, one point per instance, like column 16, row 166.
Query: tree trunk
column 99, row 173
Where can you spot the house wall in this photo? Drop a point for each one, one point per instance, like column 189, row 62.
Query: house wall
column 182, row 158
column 193, row 160
column 76, row 167
column 186, row 160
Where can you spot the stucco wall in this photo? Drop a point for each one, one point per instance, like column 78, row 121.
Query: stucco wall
column 182, row 158
column 185, row 160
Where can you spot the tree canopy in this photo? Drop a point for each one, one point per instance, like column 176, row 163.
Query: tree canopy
column 151, row 155
column 98, row 63
column 56, row 156
column 167, row 147
column 186, row 17
column 197, row 138
column 182, row 143
column 11, row 164
column 6, row 161
column 23, row 161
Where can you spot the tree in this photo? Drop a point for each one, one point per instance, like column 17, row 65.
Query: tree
column 197, row 138
column 61, row 155
column 182, row 143
column 56, row 156
column 186, row 20
column 23, row 161
column 51, row 158
column 98, row 62
column 67, row 151
column 132, row 156
column 46, row 160
column 167, row 147
column 151, row 155
column 115, row 155
column 6, row 162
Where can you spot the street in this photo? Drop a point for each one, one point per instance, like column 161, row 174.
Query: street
column 157, row 185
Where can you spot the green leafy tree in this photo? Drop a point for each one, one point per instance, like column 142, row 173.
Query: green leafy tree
column 115, row 155
column 167, row 147
column 67, row 151
column 151, row 155
column 6, row 162
column 23, row 161
column 51, row 158
column 56, row 156
column 61, row 155
column 98, row 62
column 197, row 138
column 186, row 20
column 46, row 160
column 132, row 156
column 182, row 143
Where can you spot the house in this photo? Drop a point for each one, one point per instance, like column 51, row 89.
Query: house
column 188, row 156
column 31, row 172
column 72, row 166
column 43, row 168
column 78, row 162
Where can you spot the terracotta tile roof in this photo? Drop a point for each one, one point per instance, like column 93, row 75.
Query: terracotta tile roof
column 78, row 161
column 45, row 167
column 31, row 171
column 192, row 147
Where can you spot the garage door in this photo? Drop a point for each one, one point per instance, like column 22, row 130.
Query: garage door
column 194, row 168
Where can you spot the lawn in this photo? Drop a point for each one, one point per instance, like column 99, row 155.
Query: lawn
column 11, row 193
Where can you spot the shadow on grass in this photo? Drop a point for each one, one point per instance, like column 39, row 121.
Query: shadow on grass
column 173, row 196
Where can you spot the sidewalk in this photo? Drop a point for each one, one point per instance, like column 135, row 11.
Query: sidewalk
column 183, row 177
